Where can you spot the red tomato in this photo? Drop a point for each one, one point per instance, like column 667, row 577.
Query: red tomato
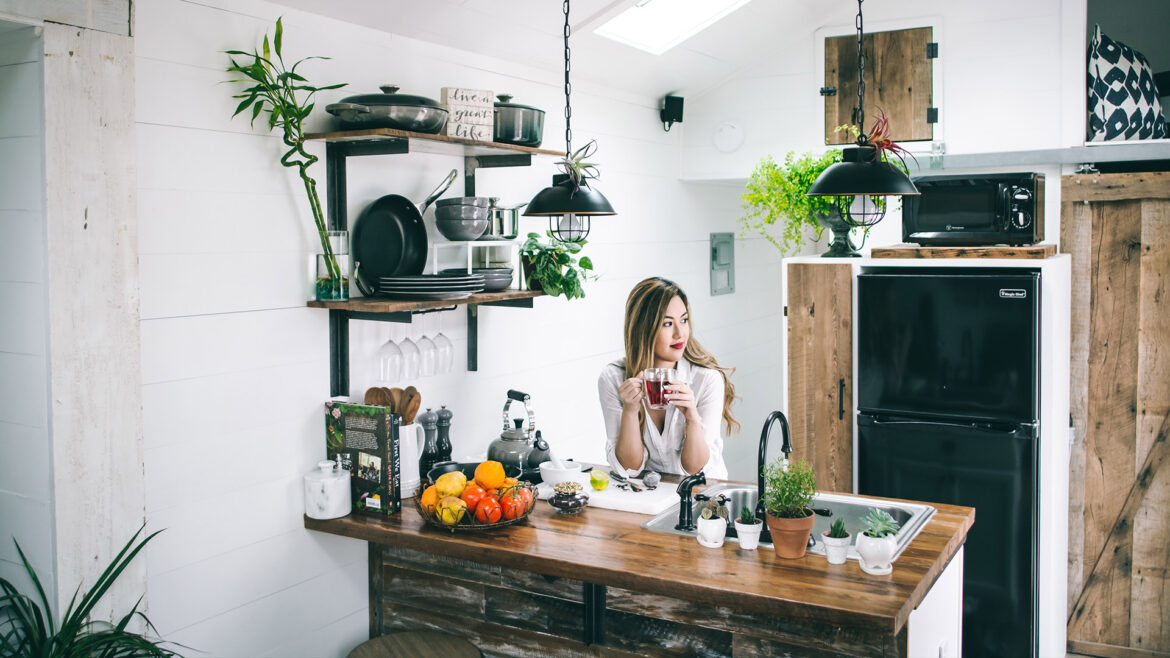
column 488, row 510
column 516, row 502
column 472, row 494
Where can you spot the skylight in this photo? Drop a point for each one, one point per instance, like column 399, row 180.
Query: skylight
column 656, row 26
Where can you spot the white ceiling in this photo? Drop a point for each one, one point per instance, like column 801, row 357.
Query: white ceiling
column 530, row 32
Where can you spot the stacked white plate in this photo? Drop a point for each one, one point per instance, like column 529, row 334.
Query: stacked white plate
column 495, row 278
column 430, row 286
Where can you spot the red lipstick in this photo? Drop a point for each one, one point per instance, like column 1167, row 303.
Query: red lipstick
column 678, row 346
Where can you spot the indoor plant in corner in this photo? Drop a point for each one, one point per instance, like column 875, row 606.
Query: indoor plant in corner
column 836, row 540
column 748, row 529
column 788, row 493
column 554, row 267
column 712, row 522
column 877, row 543
column 274, row 89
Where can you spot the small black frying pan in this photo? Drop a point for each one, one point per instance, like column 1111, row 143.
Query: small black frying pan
column 390, row 239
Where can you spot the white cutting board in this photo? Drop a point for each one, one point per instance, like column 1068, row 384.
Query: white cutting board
column 649, row 502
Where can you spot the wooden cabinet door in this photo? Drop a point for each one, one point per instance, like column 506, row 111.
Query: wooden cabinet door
column 820, row 370
column 899, row 80
column 1117, row 229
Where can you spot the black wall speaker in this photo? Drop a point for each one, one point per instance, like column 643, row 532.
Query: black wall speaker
column 672, row 111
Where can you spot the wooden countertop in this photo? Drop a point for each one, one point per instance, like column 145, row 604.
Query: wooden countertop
column 610, row 548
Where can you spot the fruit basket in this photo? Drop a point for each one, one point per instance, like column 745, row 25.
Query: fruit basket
column 475, row 498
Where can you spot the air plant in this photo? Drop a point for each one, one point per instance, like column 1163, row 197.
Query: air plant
column 575, row 166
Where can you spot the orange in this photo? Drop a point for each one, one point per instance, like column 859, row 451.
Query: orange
column 490, row 475
column 509, row 482
column 429, row 499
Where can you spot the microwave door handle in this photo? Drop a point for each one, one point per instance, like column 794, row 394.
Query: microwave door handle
column 1004, row 216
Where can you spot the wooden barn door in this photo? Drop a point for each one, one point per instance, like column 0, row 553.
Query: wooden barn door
column 1117, row 229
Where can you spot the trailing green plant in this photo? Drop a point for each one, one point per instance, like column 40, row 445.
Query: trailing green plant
column 555, row 265
column 837, row 530
column 788, row 493
column 274, row 91
column 28, row 629
column 776, row 198
column 878, row 523
column 747, row 516
column 714, row 508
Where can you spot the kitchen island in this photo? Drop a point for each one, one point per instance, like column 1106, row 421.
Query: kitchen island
column 598, row 584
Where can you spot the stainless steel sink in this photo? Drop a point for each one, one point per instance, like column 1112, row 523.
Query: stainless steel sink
column 910, row 516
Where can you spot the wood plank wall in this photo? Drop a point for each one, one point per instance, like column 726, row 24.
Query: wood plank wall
column 820, row 358
column 1117, row 229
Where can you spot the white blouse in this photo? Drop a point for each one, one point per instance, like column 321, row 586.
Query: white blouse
column 663, row 450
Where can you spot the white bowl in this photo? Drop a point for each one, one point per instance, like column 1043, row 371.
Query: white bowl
column 553, row 475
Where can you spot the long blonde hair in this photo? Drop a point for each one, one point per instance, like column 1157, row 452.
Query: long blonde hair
column 645, row 308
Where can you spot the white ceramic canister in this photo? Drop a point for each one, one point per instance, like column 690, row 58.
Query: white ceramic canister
column 327, row 494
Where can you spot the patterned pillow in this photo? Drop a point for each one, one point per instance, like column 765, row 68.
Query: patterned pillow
column 1123, row 100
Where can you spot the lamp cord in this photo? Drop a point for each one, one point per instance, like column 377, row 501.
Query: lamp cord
column 862, row 138
column 568, row 87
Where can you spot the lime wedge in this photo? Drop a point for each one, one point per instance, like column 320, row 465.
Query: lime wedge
column 598, row 479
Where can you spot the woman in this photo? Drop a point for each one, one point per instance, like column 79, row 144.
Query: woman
column 684, row 437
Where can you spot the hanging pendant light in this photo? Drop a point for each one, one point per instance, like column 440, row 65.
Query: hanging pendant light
column 862, row 180
column 569, row 202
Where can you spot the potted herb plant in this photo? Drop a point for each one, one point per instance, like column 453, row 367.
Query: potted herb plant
column 877, row 543
column 554, row 267
column 287, row 98
column 712, row 522
column 837, row 541
column 776, row 199
column 748, row 528
column 787, row 496
column 29, row 628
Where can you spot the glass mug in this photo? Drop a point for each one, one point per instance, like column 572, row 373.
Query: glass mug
column 656, row 380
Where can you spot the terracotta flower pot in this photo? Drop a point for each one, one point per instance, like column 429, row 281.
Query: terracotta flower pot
column 790, row 536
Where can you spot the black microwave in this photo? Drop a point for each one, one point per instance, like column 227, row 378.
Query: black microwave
column 975, row 210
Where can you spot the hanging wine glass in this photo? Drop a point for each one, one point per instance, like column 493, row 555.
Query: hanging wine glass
column 426, row 353
column 389, row 359
column 444, row 349
column 410, row 358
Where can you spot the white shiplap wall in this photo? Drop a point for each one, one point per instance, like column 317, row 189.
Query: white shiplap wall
column 25, row 473
column 235, row 368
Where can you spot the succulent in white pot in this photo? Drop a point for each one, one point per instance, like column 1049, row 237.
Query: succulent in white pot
column 836, row 540
column 712, row 522
column 748, row 528
column 877, row 542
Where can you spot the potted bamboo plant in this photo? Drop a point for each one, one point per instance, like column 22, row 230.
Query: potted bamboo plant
column 877, row 542
column 748, row 528
column 787, row 495
column 287, row 98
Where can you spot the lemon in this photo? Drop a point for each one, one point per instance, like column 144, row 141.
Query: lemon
column 598, row 479
column 451, row 484
column 451, row 510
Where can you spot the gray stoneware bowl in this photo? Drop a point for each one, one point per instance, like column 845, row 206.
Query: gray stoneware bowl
column 462, row 230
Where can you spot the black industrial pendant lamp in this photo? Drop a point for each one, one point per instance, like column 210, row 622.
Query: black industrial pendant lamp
column 862, row 179
column 569, row 202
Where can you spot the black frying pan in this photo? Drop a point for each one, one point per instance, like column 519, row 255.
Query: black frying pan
column 390, row 239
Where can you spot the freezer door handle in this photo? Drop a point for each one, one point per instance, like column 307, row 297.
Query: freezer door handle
column 1019, row 429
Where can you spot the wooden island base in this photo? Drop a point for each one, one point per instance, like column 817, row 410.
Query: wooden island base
column 597, row 584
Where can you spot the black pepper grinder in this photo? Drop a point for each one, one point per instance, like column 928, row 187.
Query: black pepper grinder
column 444, row 415
column 430, row 451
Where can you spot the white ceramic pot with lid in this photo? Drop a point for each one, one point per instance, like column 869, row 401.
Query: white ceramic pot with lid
column 327, row 492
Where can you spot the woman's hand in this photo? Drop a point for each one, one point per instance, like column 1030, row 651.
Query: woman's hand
column 680, row 395
column 631, row 392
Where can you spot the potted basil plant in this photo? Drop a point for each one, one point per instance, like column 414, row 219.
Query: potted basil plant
column 788, row 492
column 877, row 542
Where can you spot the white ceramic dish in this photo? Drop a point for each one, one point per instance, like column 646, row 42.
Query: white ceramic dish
column 552, row 475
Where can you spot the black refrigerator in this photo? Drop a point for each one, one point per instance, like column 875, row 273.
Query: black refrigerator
column 948, row 412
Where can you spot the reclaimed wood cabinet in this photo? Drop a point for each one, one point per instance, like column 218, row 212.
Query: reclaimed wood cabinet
column 820, row 369
column 1117, row 229
column 899, row 80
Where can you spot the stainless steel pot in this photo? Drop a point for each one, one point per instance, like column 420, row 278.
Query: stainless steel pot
column 517, row 124
column 390, row 109
column 505, row 223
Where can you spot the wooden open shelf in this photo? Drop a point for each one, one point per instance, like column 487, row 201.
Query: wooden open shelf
column 382, row 305
column 427, row 143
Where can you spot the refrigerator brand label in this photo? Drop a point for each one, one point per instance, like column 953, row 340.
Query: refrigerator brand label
column 1012, row 293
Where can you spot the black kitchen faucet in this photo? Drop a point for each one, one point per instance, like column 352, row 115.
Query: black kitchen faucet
column 686, row 507
column 786, row 448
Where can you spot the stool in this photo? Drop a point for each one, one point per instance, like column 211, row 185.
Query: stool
column 416, row 644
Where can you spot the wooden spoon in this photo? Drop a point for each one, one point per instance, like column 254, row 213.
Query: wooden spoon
column 388, row 398
column 376, row 396
column 411, row 410
column 398, row 397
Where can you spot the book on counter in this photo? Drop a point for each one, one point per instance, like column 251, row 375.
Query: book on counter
column 363, row 438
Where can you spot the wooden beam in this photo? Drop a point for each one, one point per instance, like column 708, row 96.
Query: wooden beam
column 1115, row 187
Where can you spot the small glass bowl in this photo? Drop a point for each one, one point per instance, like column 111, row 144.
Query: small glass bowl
column 568, row 498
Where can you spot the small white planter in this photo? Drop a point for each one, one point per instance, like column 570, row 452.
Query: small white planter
column 836, row 548
column 876, row 553
column 749, row 534
column 711, row 531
